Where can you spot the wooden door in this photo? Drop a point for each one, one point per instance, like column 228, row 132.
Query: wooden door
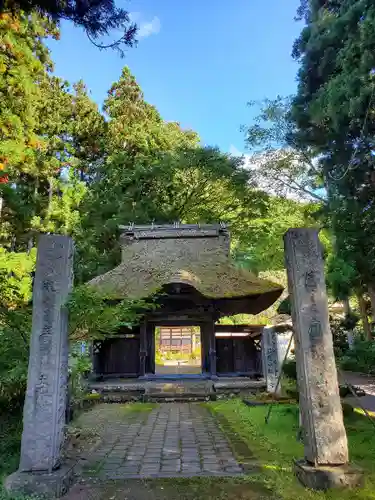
column 245, row 356
column 224, row 354
column 122, row 357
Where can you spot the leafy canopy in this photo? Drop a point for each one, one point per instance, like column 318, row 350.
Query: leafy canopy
column 97, row 17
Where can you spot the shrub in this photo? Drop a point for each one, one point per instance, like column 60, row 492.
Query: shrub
column 14, row 356
column 340, row 328
column 81, row 366
column 290, row 368
column 361, row 358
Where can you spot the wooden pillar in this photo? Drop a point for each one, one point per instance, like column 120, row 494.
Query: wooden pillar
column 212, row 347
column 96, row 357
column 143, row 349
column 204, row 348
column 151, row 348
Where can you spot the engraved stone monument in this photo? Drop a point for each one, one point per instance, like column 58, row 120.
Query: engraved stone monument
column 46, row 395
column 326, row 447
column 272, row 361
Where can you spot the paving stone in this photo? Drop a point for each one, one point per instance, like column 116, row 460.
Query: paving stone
column 190, row 458
column 113, row 461
column 211, row 460
column 175, row 440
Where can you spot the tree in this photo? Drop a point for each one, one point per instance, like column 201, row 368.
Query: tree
column 50, row 137
column 279, row 163
column 24, row 63
column 97, row 17
column 15, row 322
column 24, row 60
column 333, row 116
column 190, row 185
column 261, row 249
column 135, row 127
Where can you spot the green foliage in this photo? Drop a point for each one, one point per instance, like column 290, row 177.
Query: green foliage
column 10, row 436
column 14, row 356
column 80, row 367
column 361, row 358
column 26, row 55
column 333, row 116
column 191, row 185
column 290, row 368
column 15, row 324
column 261, row 246
column 280, row 164
column 10, row 440
column 94, row 315
column 99, row 17
column 341, row 277
column 285, row 307
column 340, row 328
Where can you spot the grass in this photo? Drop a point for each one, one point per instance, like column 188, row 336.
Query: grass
column 275, row 446
column 272, row 446
column 10, row 437
column 209, row 488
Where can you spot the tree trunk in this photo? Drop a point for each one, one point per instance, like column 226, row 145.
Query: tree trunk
column 346, row 306
column 347, row 311
column 371, row 292
column 362, row 310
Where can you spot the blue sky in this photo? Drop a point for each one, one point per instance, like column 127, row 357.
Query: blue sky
column 199, row 62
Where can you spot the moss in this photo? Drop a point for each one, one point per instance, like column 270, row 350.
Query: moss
column 203, row 263
column 92, row 396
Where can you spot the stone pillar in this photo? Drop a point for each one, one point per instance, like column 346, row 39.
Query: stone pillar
column 44, row 410
column 271, row 358
column 46, row 394
column 325, row 441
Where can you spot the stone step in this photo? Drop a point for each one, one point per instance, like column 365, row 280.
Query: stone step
column 121, row 397
column 174, row 390
column 186, row 398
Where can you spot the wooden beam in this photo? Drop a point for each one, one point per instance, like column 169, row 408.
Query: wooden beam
column 143, row 349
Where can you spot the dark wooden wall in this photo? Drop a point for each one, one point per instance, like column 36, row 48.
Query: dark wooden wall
column 238, row 355
column 117, row 357
column 234, row 355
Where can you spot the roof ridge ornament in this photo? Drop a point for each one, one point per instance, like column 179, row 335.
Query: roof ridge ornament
column 173, row 230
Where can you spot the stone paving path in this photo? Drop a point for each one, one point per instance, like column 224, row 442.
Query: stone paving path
column 173, row 440
column 364, row 382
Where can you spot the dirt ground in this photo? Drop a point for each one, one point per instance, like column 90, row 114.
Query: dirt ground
column 182, row 489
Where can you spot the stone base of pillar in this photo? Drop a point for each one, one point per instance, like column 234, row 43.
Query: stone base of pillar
column 47, row 485
column 323, row 478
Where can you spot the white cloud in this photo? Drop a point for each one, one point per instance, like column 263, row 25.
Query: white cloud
column 148, row 28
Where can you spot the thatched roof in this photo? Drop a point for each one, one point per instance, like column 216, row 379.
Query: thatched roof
column 192, row 255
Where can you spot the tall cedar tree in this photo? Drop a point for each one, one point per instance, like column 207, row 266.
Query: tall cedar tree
column 334, row 113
